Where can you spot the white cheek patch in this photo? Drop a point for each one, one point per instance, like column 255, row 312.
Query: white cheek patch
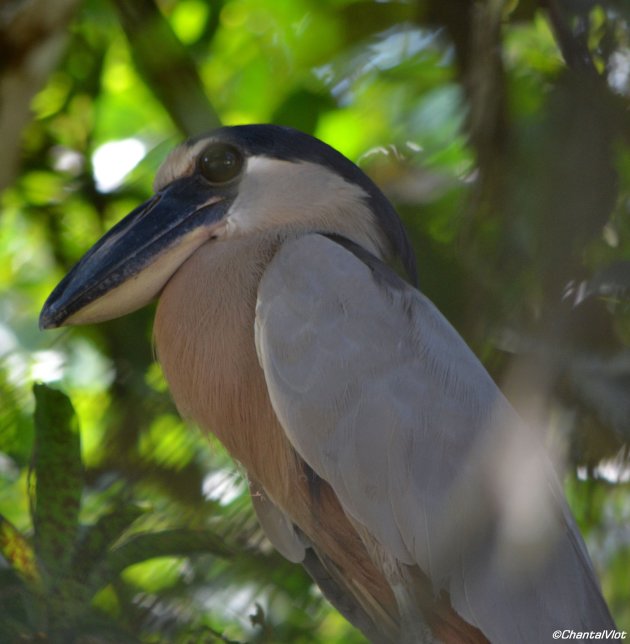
column 275, row 192
column 302, row 195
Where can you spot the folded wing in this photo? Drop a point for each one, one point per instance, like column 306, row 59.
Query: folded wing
column 384, row 400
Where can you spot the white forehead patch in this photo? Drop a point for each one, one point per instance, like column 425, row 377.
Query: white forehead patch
column 179, row 163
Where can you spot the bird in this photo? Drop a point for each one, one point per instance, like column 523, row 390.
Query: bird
column 379, row 452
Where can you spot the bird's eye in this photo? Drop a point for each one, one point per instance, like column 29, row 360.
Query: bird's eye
column 220, row 163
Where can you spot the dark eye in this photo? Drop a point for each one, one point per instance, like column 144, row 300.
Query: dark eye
column 220, row 162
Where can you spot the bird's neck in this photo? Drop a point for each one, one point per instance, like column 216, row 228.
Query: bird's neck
column 204, row 335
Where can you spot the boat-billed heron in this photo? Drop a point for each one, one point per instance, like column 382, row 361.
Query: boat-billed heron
column 380, row 453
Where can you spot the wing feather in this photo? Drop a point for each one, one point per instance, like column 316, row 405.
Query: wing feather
column 382, row 398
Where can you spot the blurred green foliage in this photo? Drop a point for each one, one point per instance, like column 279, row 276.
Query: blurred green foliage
column 511, row 170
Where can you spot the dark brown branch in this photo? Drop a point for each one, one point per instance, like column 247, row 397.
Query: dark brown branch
column 166, row 66
column 572, row 42
column 33, row 36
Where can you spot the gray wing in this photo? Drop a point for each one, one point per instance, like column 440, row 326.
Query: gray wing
column 384, row 400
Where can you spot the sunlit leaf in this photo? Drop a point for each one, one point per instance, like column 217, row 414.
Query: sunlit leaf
column 17, row 550
column 142, row 547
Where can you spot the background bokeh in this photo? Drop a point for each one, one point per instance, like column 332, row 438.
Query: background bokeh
column 501, row 132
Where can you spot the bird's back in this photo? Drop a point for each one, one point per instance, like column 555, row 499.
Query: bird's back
column 380, row 395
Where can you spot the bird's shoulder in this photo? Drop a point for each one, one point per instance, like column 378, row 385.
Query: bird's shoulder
column 364, row 372
column 328, row 296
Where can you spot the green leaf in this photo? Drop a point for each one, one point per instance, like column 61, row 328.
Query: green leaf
column 22, row 606
column 98, row 538
column 16, row 549
column 59, row 480
column 140, row 547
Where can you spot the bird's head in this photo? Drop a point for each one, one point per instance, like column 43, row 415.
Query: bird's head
column 235, row 181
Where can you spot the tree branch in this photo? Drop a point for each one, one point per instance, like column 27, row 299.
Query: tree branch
column 32, row 38
column 572, row 42
column 166, row 66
